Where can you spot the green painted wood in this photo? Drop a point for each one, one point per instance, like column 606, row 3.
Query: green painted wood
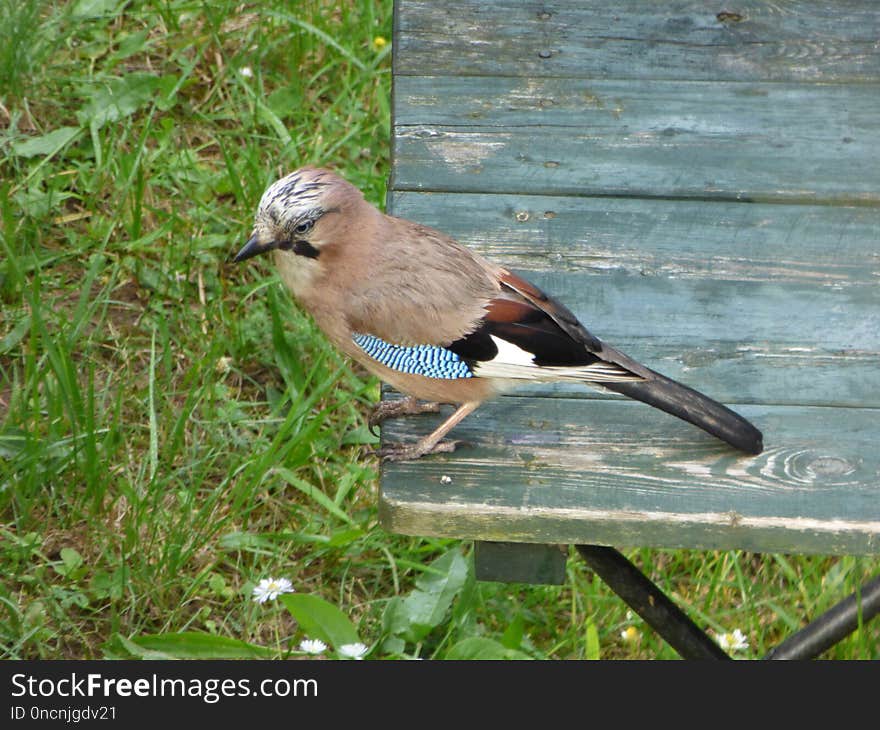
column 749, row 303
column 518, row 562
column 825, row 246
column 728, row 140
column 640, row 39
column 704, row 193
column 558, row 470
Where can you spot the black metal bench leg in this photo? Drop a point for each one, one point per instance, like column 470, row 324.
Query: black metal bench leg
column 667, row 619
column 832, row 626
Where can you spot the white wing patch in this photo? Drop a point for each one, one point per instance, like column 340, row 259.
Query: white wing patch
column 510, row 354
column 515, row 363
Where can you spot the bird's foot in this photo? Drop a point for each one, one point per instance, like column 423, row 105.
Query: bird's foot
column 408, row 406
column 411, row 452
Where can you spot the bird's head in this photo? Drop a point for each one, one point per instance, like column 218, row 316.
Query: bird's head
column 300, row 214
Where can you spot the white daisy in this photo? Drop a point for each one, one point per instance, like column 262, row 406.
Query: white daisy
column 223, row 365
column 732, row 641
column 269, row 589
column 312, row 646
column 353, row 651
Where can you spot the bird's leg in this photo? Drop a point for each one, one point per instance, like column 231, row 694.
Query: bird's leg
column 408, row 406
column 430, row 444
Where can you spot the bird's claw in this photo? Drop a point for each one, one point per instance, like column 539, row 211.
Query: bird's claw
column 393, row 409
column 411, row 452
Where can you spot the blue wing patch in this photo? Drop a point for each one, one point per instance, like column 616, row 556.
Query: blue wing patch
column 428, row 360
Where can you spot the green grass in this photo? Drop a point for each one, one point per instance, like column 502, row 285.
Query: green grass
column 173, row 429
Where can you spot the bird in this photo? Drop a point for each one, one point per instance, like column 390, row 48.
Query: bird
column 439, row 322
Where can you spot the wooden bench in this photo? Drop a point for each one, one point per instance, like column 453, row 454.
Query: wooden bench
column 701, row 186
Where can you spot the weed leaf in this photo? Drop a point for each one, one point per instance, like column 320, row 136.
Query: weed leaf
column 480, row 647
column 45, row 145
column 194, row 645
column 320, row 619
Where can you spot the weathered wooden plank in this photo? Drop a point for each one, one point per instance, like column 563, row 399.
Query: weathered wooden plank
column 620, row 473
column 641, row 39
column 750, row 303
column 728, row 140
column 516, row 113
column 827, row 246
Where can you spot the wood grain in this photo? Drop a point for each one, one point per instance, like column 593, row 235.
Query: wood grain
column 640, row 39
column 618, row 472
column 826, row 246
column 702, row 188
column 682, row 139
column 749, row 303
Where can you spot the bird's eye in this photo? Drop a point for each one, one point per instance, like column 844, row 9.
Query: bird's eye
column 304, row 227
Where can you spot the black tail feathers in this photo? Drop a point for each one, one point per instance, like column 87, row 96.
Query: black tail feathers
column 700, row 410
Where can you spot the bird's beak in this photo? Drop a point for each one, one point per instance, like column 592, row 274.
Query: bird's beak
column 254, row 247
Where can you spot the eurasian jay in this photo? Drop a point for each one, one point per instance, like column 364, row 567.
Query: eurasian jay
column 439, row 322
